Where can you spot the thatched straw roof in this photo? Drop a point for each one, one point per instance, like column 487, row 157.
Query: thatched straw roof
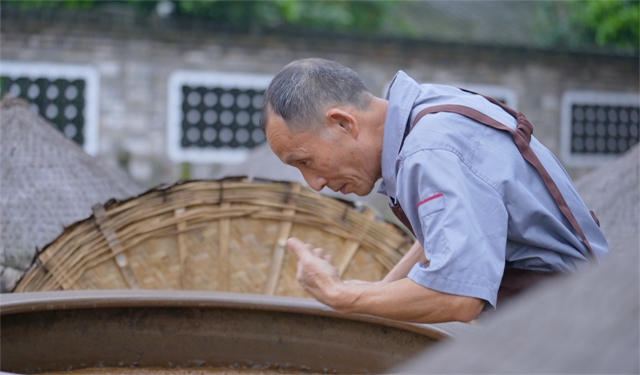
column 587, row 323
column 47, row 182
column 613, row 193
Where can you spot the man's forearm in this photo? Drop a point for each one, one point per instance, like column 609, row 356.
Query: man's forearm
column 402, row 268
column 404, row 300
column 401, row 299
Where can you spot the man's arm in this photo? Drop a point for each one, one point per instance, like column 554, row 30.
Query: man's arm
column 402, row 268
column 400, row 299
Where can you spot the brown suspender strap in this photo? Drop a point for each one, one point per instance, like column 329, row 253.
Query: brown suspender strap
column 500, row 104
column 522, row 137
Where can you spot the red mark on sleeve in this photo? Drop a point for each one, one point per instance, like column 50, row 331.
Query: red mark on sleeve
column 434, row 196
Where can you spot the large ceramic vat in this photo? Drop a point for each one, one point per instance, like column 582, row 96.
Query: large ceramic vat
column 177, row 330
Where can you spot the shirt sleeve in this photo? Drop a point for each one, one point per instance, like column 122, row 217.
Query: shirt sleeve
column 460, row 218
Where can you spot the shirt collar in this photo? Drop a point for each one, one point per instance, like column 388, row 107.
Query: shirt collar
column 402, row 94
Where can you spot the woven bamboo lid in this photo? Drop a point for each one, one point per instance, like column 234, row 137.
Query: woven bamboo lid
column 225, row 235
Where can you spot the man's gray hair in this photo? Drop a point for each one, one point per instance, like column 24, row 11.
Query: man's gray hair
column 305, row 88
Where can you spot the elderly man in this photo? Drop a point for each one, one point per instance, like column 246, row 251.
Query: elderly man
column 492, row 208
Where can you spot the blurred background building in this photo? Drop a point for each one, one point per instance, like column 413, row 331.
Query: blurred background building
column 172, row 89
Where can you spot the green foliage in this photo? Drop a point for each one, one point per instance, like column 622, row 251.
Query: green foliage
column 233, row 12
column 612, row 22
column 602, row 23
column 69, row 4
column 576, row 24
column 339, row 15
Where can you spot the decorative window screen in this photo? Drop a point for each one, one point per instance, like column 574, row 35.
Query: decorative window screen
column 214, row 117
column 597, row 126
column 64, row 94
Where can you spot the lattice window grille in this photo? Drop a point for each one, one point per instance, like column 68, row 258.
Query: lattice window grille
column 64, row 94
column 598, row 126
column 214, row 117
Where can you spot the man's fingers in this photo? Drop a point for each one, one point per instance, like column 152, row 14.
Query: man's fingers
column 319, row 252
column 315, row 270
column 302, row 250
column 298, row 248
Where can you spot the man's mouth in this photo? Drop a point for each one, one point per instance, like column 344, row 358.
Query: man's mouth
column 343, row 189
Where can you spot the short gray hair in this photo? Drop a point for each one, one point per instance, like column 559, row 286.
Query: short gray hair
column 304, row 88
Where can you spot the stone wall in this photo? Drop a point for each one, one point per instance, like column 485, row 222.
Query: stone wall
column 134, row 65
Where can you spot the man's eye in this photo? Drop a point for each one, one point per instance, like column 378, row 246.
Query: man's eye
column 303, row 162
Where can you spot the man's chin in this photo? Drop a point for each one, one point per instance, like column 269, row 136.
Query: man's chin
column 363, row 192
column 360, row 190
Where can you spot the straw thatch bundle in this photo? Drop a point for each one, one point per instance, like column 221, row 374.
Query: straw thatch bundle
column 613, row 193
column 226, row 235
column 47, row 182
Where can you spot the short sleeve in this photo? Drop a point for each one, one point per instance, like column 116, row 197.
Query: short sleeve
column 461, row 221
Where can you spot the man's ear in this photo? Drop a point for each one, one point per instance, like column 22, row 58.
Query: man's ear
column 342, row 121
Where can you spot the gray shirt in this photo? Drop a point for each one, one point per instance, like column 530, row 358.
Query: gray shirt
column 473, row 201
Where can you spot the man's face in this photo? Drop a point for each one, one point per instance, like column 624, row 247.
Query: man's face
column 328, row 157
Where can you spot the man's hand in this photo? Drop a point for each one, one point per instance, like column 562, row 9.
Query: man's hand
column 316, row 274
column 400, row 299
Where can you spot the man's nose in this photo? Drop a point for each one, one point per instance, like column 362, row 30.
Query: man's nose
column 316, row 182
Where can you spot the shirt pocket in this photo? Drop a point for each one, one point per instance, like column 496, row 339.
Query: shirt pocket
column 434, row 237
column 430, row 205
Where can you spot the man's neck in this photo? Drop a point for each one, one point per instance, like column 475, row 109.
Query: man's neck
column 377, row 121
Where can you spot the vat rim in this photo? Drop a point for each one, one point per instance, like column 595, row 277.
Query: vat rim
column 17, row 303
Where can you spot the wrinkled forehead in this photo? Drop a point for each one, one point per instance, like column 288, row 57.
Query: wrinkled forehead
column 288, row 145
column 276, row 127
column 304, row 125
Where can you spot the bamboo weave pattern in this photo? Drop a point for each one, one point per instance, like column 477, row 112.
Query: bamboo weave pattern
column 225, row 235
